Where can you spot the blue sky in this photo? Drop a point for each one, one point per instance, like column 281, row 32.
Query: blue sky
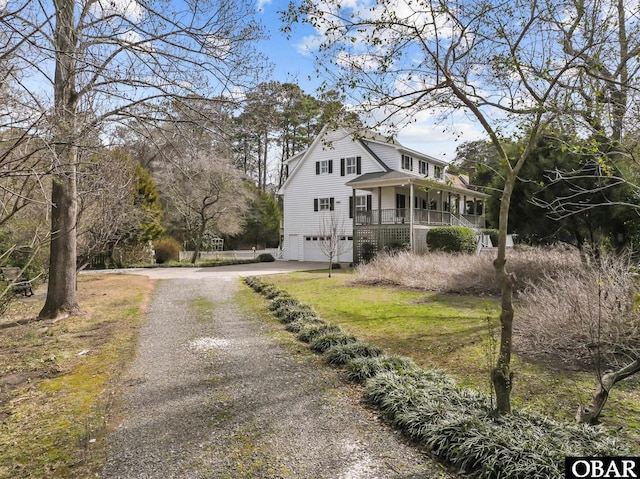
column 293, row 63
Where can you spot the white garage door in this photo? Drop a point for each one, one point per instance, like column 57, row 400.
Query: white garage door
column 312, row 251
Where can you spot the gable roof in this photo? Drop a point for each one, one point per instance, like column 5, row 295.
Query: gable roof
column 307, row 153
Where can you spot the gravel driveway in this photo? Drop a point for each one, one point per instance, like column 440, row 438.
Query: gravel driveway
column 217, row 394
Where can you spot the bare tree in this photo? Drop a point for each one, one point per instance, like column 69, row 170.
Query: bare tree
column 109, row 213
column 102, row 61
column 208, row 194
column 332, row 239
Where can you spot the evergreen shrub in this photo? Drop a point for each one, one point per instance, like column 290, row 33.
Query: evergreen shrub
column 324, row 341
column 452, row 239
column 166, row 250
column 340, row 354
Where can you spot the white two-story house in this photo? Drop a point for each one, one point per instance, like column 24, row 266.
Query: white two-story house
column 378, row 193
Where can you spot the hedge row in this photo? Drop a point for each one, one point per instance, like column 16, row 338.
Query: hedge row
column 457, row 425
column 452, row 239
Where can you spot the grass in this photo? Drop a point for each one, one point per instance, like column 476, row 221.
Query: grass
column 450, row 332
column 57, row 377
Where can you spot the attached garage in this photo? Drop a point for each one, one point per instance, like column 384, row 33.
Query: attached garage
column 312, row 250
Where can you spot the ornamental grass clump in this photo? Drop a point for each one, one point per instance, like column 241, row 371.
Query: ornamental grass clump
column 362, row 368
column 298, row 324
column 254, row 283
column 311, row 331
column 282, row 300
column 324, row 341
column 461, row 428
column 271, row 292
column 341, row 354
column 302, row 312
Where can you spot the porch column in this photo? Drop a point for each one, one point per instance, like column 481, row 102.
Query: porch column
column 379, row 229
column 428, row 206
column 354, row 243
column 411, row 213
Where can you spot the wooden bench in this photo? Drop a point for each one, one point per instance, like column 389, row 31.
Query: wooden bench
column 20, row 283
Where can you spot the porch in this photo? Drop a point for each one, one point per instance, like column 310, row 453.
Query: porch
column 395, row 216
column 399, row 208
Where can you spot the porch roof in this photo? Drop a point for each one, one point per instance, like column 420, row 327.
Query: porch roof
column 400, row 178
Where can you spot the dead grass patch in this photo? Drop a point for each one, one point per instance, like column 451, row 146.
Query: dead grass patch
column 56, row 378
column 463, row 273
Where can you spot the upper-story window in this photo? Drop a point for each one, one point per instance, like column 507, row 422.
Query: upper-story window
column 437, row 172
column 324, row 167
column 423, row 168
column 351, row 165
column 407, row 162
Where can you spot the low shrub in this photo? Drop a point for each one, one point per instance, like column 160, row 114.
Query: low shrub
column 266, row 258
column 368, row 252
column 493, row 235
column 271, row 292
column 460, row 427
column 452, row 239
column 362, row 368
column 310, row 331
column 340, row 354
column 457, row 425
column 254, row 283
column 294, row 313
column 166, row 250
column 324, row 341
column 282, row 300
column 298, row 324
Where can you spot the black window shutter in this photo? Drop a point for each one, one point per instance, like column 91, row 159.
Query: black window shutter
column 359, row 165
column 315, row 204
column 350, row 206
column 317, row 167
column 286, row 171
column 331, row 202
column 330, row 166
column 369, row 208
column 397, row 200
column 341, row 166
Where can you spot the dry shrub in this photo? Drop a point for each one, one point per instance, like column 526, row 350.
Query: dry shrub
column 464, row 274
column 584, row 317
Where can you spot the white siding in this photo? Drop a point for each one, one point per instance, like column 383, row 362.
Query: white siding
column 304, row 185
column 387, row 153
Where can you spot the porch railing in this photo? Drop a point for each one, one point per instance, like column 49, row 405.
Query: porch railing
column 420, row 217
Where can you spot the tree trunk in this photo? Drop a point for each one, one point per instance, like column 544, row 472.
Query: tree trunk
column 61, row 293
column 589, row 413
column 61, row 290
column 198, row 245
column 501, row 375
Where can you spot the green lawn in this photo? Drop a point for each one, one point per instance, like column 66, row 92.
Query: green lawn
column 452, row 333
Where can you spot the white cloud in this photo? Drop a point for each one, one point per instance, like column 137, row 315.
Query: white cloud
column 309, row 44
column 261, row 3
column 130, row 9
column 435, row 137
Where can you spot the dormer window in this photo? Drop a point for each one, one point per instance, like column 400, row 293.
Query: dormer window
column 407, row 162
